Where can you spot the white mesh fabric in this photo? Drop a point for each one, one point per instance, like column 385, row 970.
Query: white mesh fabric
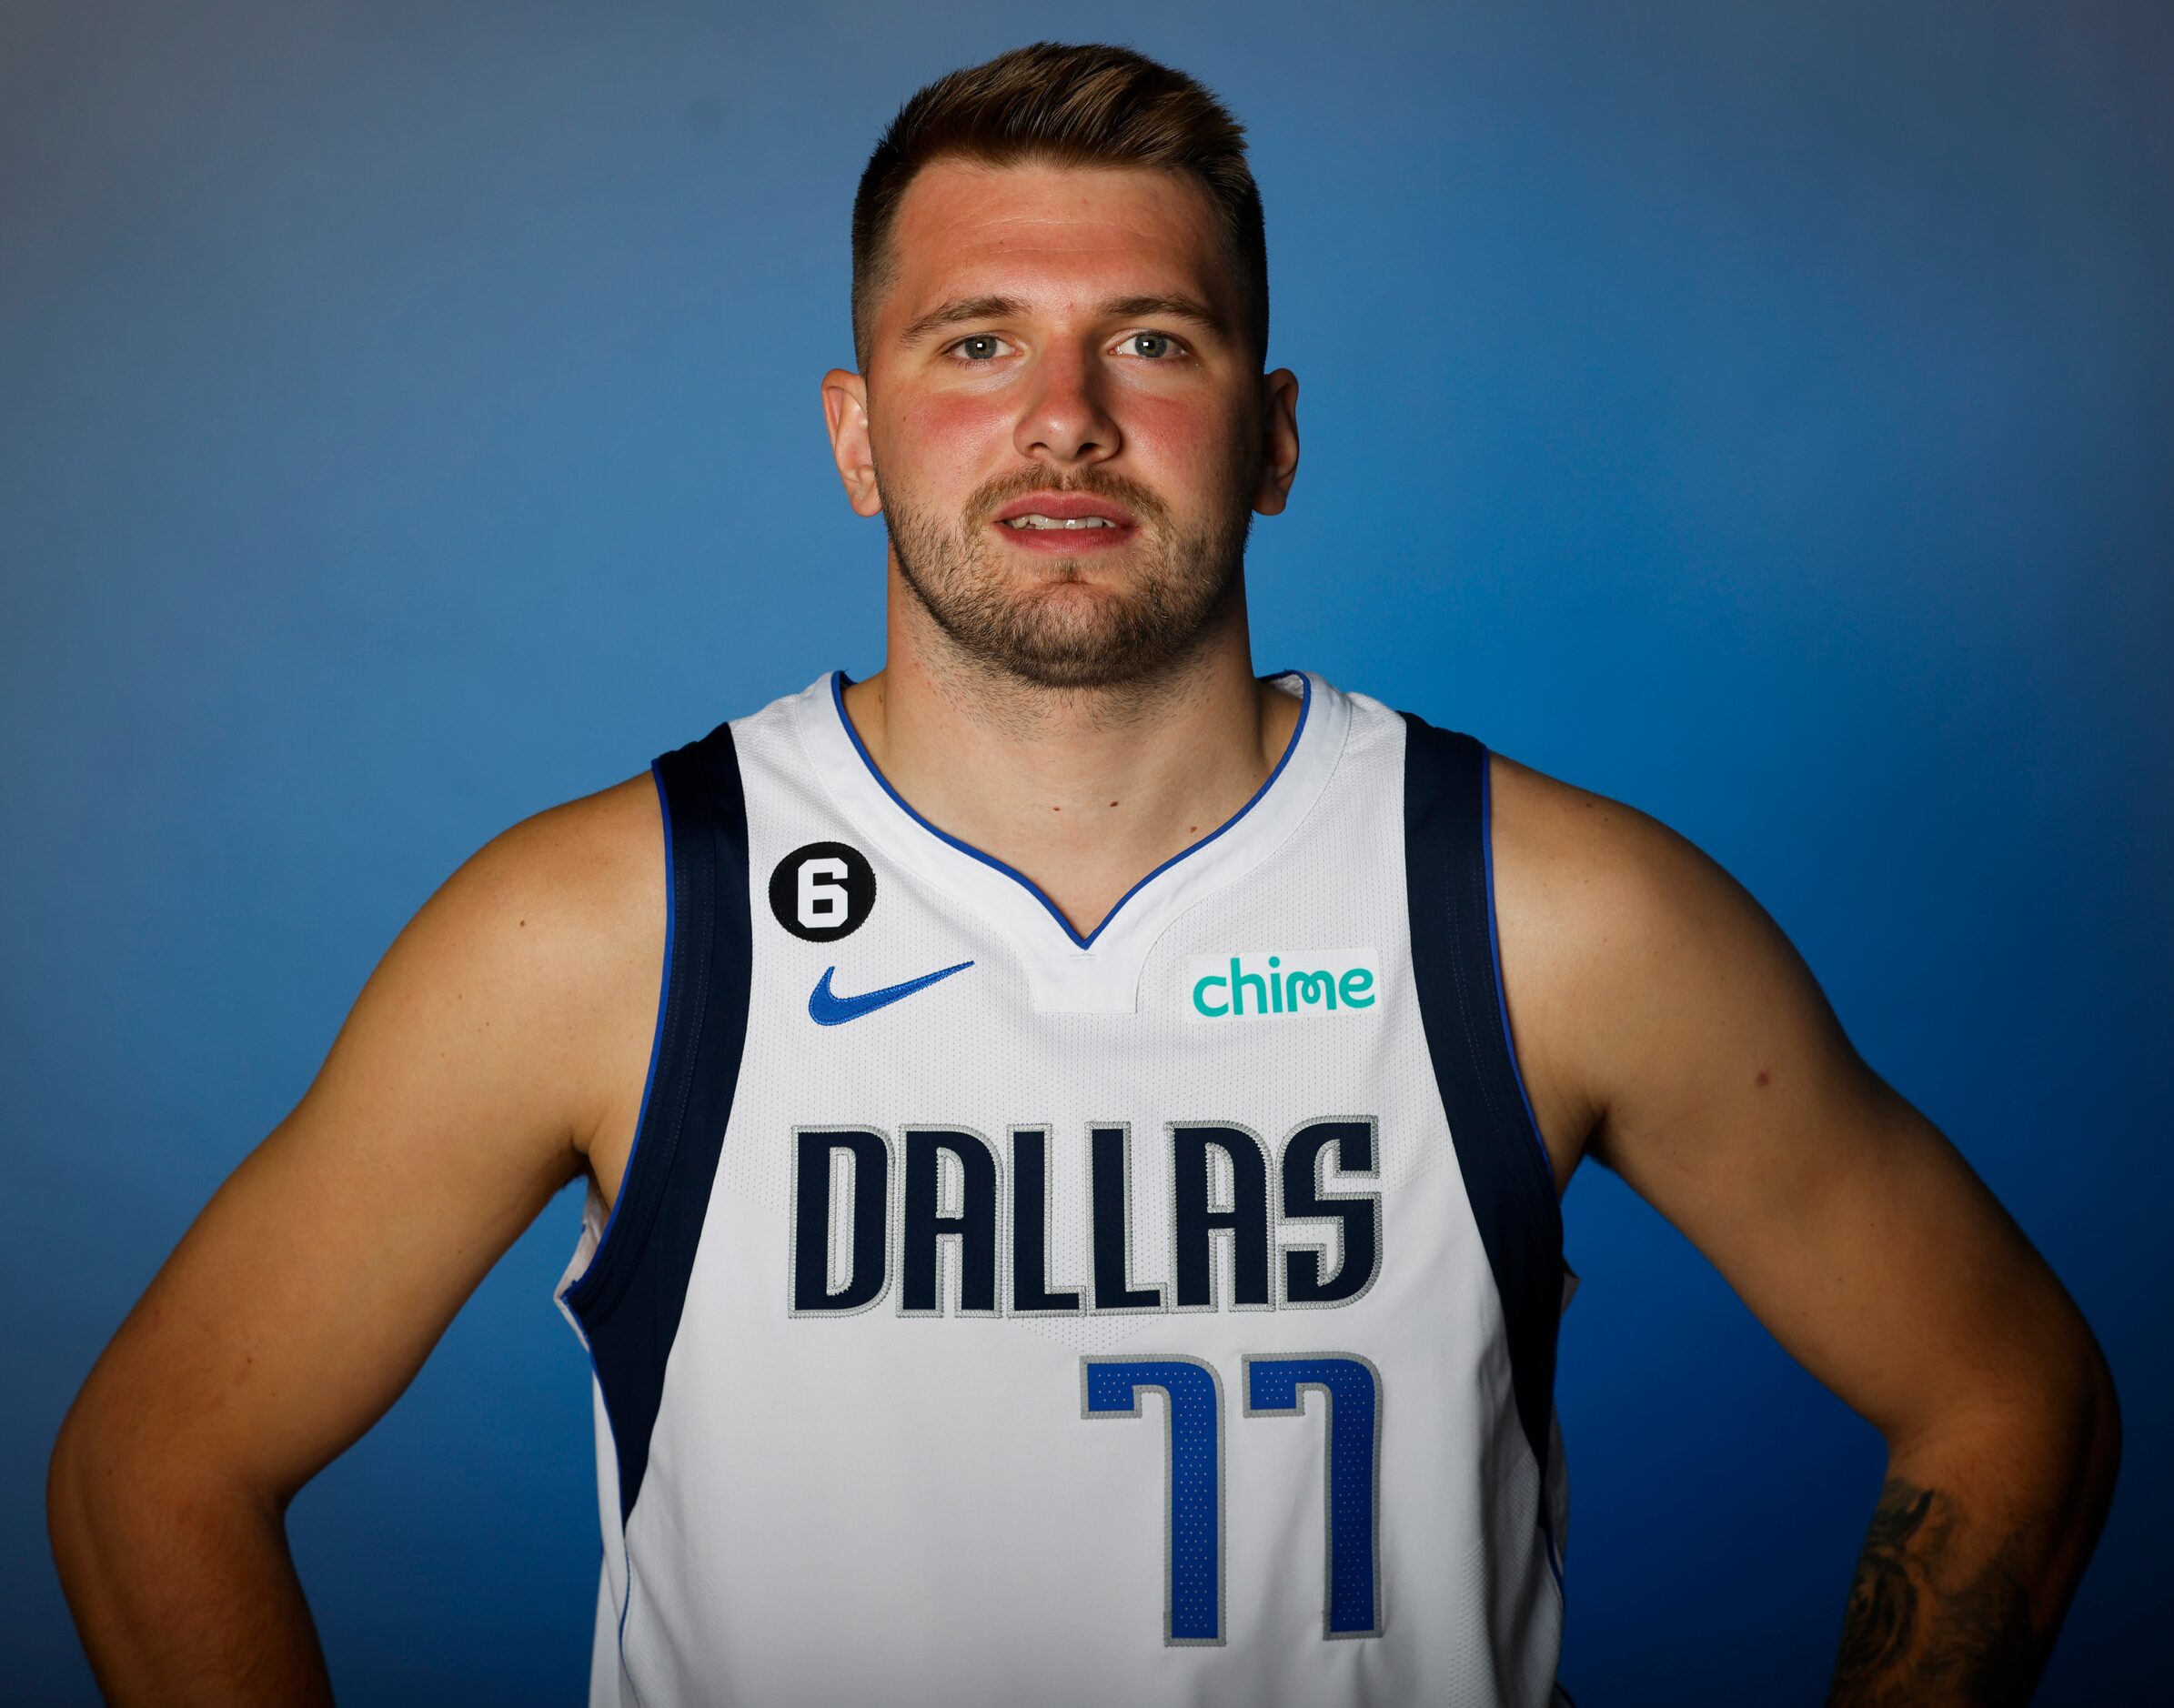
column 866, row 1507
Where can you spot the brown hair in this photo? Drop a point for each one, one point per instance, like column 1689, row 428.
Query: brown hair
column 1089, row 105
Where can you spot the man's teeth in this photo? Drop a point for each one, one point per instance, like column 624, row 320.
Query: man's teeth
column 1051, row 521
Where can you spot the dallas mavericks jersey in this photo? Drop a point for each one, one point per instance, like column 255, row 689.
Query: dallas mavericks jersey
column 995, row 1314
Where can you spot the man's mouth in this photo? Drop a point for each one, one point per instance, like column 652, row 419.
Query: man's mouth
column 1056, row 523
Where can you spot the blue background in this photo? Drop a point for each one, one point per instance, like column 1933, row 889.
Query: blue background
column 408, row 420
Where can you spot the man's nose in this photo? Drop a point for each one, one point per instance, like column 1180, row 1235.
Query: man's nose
column 1066, row 419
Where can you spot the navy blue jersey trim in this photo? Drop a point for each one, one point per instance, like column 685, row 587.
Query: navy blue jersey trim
column 1448, row 878
column 630, row 1299
column 1502, row 1003
column 648, row 1085
column 839, row 682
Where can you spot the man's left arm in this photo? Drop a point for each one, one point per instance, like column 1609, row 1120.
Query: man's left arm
column 1668, row 1029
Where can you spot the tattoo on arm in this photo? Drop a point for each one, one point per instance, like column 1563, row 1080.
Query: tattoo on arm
column 1927, row 1626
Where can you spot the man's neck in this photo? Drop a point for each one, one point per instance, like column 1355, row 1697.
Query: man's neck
column 1083, row 791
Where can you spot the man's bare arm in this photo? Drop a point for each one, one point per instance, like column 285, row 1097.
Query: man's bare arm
column 504, row 1036
column 1667, row 1027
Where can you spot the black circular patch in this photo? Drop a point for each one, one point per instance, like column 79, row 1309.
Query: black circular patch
column 823, row 891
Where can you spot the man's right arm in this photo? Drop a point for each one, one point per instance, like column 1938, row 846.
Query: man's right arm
column 500, row 1048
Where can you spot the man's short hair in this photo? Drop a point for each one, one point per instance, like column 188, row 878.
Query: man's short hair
column 1089, row 105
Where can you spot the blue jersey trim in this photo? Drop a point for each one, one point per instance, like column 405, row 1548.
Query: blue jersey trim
column 625, row 1553
column 839, row 682
column 641, row 1119
column 648, row 1085
column 1501, row 1001
column 629, row 1301
column 1455, row 974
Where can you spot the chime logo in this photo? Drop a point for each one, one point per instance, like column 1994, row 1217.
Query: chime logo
column 1288, row 982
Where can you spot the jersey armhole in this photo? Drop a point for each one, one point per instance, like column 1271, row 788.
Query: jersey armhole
column 629, row 1301
column 1456, row 975
column 602, row 1283
column 1501, row 1001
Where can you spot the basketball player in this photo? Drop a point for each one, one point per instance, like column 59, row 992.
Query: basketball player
column 1073, row 1130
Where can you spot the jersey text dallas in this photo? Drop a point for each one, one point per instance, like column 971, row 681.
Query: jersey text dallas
column 844, row 1264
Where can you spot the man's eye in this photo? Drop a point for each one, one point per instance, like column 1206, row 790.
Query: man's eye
column 1155, row 346
column 981, row 347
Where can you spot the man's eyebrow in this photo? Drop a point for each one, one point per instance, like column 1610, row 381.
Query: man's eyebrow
column 1163, row 308
column 961, row 309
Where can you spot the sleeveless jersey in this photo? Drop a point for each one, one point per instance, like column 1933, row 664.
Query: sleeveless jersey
column 995, row 1314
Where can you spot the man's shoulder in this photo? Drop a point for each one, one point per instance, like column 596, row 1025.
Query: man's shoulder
column 1588, row 853
column 560, row 917
column 539, row 958
column 1614, row 885
column 1605, row 916
column 576, row 864
column 1594, row 856
column 594, row 853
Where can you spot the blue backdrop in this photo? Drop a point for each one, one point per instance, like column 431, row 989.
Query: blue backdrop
column 408, row 420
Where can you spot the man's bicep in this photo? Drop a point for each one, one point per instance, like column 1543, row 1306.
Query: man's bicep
column 449, row 1111
column 1736, row 1105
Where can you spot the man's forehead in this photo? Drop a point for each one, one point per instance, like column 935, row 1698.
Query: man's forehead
column 967, row 229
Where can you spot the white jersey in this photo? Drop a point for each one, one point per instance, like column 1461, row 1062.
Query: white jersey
column 992, row 1314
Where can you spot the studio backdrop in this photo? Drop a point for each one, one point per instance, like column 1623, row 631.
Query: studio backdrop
column 408, row 420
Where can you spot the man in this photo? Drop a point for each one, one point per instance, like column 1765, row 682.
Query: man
column 1075, row 1131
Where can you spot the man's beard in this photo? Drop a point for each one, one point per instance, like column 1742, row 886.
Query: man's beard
column 1007, row 620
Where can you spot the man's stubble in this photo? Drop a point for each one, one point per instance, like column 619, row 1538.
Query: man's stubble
column 1132, row 632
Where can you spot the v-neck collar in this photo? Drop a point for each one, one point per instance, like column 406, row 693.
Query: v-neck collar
column 1066, row 973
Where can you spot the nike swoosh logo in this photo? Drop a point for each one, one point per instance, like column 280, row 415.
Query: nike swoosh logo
column 826, row 1008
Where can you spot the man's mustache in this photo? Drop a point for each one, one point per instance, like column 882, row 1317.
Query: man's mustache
column 1144, row 506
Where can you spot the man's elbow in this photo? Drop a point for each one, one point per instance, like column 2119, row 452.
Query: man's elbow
column 2030, row 1465
column 2081, row 1452
column 2070, row 1422
column 103, row 1486
column 2032, row 1409
column 2099, row 1430
column 126, row 1496
column 87, row 1468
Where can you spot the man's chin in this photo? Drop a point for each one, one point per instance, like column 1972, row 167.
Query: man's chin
column 1066, row 584
column 1095, row 620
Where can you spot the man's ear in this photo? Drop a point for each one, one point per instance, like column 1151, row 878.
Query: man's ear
column 845, row 411
column 1279, row 462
